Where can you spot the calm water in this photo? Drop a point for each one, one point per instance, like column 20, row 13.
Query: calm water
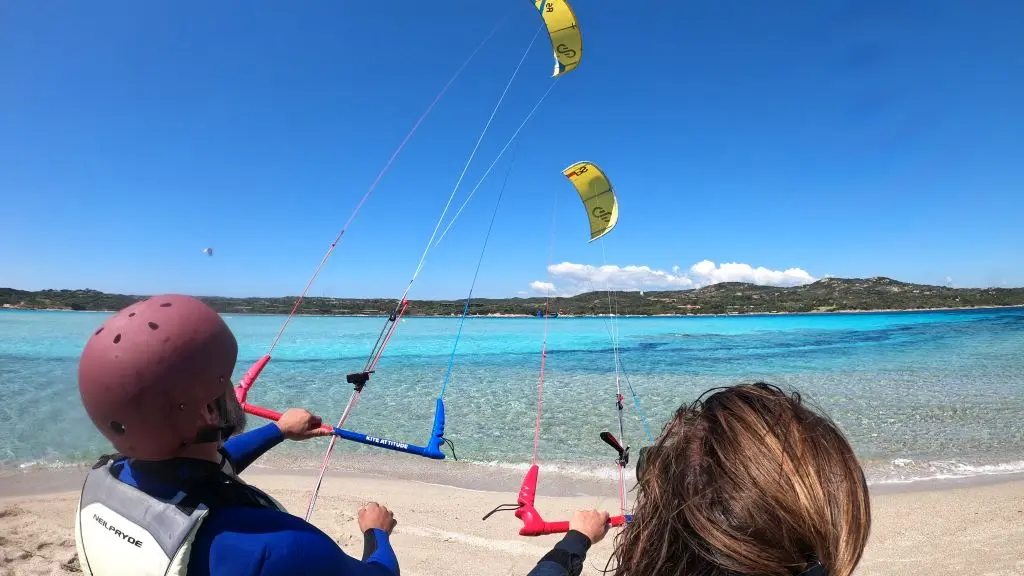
column 919, row 394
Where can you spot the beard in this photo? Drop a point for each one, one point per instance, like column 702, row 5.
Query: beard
column 234, row 415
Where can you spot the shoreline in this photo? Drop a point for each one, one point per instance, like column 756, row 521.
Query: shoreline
column 34, row 481
column 573, row 476
column 595, row 316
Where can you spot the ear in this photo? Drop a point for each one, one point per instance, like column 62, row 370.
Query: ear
column 211, row 415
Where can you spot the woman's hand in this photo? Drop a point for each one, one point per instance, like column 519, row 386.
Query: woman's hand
column 590, row 523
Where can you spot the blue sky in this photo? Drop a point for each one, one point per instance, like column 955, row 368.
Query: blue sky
column 850, row 139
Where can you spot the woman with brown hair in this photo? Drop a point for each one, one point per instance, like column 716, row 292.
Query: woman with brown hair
column 744, row 481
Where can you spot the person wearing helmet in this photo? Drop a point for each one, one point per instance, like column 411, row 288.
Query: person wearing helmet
column 155, row 379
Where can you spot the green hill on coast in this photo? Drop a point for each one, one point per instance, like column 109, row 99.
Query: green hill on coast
column 829, row 294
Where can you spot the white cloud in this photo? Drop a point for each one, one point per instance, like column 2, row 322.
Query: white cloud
column 583, row 277
column 543, row 287
column 708, row 273
column 576, row 278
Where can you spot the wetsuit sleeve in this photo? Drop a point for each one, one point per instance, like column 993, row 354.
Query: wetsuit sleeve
column 566, row 558
column 244, row 449
column 377, row 550
column 261, row 542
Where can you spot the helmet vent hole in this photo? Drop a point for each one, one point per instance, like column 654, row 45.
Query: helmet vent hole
column 97, row 333
column 117, row 339
column 153, row 325
column 131, row 315
column 117, row 427
column 165, row 305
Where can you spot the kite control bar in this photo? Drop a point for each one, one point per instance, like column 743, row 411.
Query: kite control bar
column 533, row 523
column 432, row 449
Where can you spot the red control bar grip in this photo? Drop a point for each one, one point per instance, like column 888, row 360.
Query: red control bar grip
column 533, row 523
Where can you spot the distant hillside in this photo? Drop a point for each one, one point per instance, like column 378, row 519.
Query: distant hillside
column 829, row 294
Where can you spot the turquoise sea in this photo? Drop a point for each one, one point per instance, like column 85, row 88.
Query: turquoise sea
column 919, row 394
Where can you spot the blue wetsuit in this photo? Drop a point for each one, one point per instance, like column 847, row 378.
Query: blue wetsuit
column 251, row 541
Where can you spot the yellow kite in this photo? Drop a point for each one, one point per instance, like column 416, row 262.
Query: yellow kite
column 564, row 33
column 598, row 197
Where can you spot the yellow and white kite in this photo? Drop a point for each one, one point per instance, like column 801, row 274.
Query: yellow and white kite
column 598, row 197
column 564, row 33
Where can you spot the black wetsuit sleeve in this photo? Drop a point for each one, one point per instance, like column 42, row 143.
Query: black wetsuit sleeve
column 566, row 558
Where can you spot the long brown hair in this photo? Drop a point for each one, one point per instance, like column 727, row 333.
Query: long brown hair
column 746, row 480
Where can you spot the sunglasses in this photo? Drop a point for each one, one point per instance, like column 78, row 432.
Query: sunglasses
column 642, row 458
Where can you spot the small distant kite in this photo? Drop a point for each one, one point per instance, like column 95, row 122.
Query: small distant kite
column 208, row 251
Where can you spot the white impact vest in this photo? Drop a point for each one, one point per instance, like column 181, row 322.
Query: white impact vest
column 120, row 529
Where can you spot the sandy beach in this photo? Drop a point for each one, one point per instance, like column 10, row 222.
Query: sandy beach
column 927, row 528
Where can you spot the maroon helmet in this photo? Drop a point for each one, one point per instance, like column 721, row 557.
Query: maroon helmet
column 147, row 375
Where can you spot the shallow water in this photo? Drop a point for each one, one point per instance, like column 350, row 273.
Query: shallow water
column 920, row 395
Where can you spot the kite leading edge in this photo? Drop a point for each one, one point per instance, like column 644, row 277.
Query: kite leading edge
column 564, row 31
column 598, row 197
